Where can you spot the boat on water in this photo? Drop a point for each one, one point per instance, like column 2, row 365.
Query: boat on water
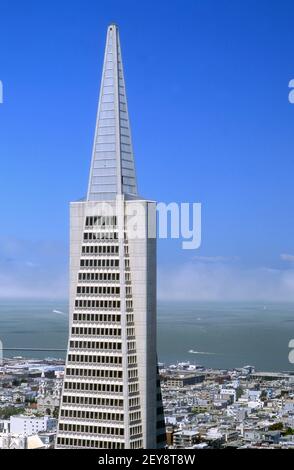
column 58, row 312
column 191, row 351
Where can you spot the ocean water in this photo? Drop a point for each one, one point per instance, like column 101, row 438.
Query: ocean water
column 223, row 335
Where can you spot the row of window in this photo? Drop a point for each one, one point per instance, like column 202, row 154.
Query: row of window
column 135, row 416
column 95, row 345
column 133, row 388
column 96, row 304
column 95, row 387
column 95, row 415
column 100, row 249
column 134, row 402
column 136, row 444
column 135, row 430
column 99, row 373
column 129, row 304
column 108, row 277
column 84, row 428
column 87, row 443
column 94, row 401
column 102, row 318
column 102, row 290
column 132, row 360
column 99, row 263
column 98, row 331
column 101, row 221
column 97, row 236
column 131, row 345
column 96, row 317
column 130, row 318
column 132, row 373
column 115, row 360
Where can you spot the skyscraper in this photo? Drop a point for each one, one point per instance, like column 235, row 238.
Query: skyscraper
column 111, row 394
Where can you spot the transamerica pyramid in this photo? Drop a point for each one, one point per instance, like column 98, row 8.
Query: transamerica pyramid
column 111, row 396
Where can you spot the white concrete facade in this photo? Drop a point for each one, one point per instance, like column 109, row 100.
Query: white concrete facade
column 28, row 425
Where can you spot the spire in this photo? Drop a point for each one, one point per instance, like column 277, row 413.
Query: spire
column 112, row 168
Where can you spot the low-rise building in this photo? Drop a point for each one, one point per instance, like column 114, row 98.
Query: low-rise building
column 183, row 380
column 185, row 439
column 28, row 425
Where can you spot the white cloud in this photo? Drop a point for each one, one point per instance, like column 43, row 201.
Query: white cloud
column 30, row 264
column 40, row 270
column 225, row 282
column 287, row 257
column 215, row 259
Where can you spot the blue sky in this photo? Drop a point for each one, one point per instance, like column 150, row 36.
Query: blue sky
column 207, row 85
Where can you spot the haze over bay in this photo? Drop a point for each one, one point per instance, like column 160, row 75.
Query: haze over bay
column 222, row 335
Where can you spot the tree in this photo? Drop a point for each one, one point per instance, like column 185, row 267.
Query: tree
column 263, row 395
column 239, row 393
column 8, row 411
column 289, row 432
column 276, row 427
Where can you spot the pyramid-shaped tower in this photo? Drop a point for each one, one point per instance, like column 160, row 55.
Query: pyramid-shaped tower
column 111, row 393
